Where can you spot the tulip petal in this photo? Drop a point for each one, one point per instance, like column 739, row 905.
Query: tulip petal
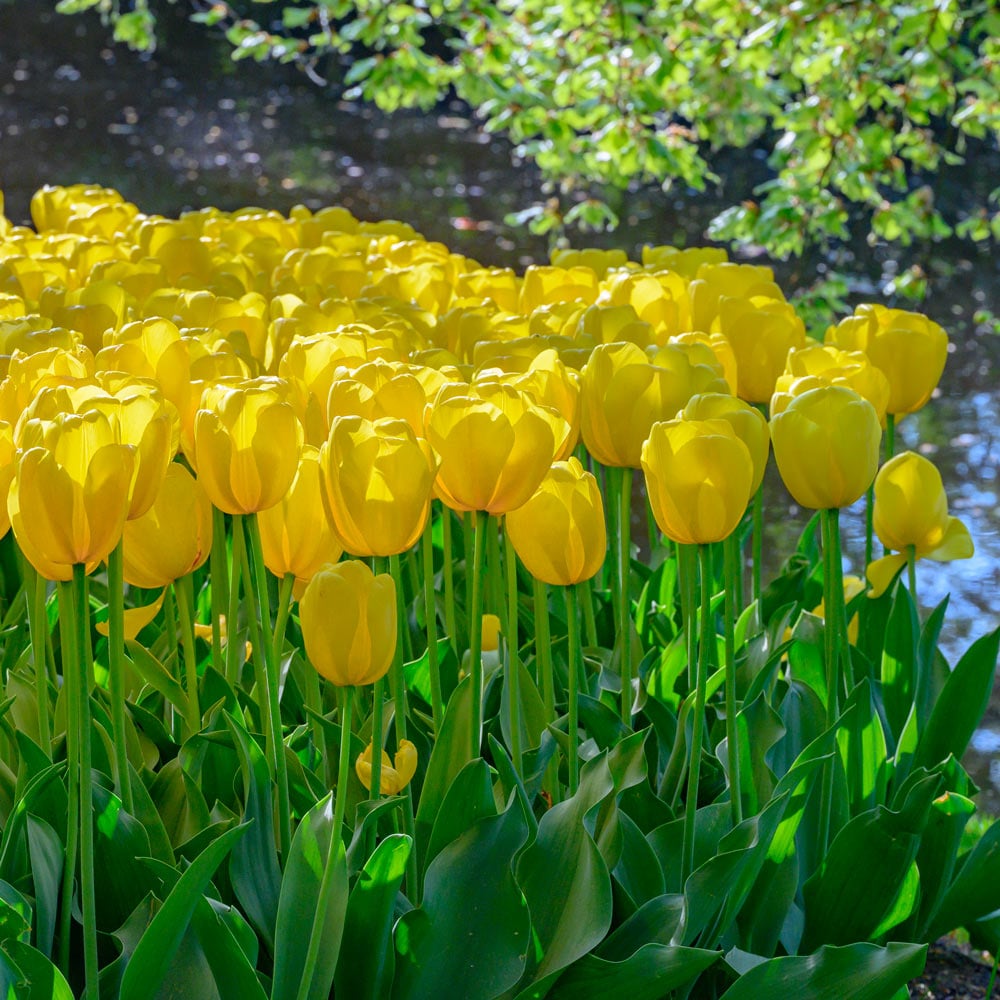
column 956, row 543
column 883, row 571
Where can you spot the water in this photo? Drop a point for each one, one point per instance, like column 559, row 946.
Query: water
column 189, row 127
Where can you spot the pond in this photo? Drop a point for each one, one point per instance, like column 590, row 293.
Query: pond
column 189, row 127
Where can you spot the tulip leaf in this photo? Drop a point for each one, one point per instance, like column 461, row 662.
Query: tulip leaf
column 927, row 658
column 469, row 799
column 156, row 675
column 638, row 870
column 487, row 916
column 858, row 971
column 300, row 901
column 532, row 715
column 972, row 894
column 450, row 754
column 40, row 979
column 212, row 924
column 253, row 866
column 155, row 950
column 46, row 853
column 648, row 974
column 564, row 876
column 367, row 957
column 863, row 749
column 899, row 660
column 961, row 704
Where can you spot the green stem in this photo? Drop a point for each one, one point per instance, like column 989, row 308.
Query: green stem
column 262, row 601
column 184, row 592
column 170, row 628
column 38, row 626
column 81, row 622
column 757, row 544
column 233, row 613
column 543, row 648
column 890, row 436
column 589, row 622
column 314, row 702
column 67, row 632
column 116, row 672
column 430, row 619
column 283, row 612
column 832, row 681
column 378, row 737
column 219, row 568
column 476, row 631
column 911, row 573
column 698, row 721
column 344, row 700
column 687, row 568
column 513, row 657
column 468, row 545
column 573, row 624
column 624, row 561
column 869, row 523
column 840, row 608
column 448, row 570
column 731, row 568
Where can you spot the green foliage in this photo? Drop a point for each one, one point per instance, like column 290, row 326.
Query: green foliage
column 856, row 104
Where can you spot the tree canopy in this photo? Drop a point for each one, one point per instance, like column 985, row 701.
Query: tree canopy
column 857, row 103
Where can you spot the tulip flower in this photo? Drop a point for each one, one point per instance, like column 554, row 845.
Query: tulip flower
column 296, row 533
column 490, row 632
column 559, row 534
column 174, row 537
column 70, row 494
column 699, row 478
column 247, row 445
column 378, row 480
column 348, row 619
column 907, row 347
column 826, row 444
column 911, row 516
column 747, row 422
column 494, row 451
column 396, row 774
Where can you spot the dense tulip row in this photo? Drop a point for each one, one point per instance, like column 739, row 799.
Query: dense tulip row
column 251, row 411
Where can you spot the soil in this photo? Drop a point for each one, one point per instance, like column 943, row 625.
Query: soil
column 953, row 972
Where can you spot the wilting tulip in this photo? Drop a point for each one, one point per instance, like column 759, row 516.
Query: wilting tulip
column 70, row 493
column 911, row 510
column 296, row 534
column 348, row 619
column 907, row 347
column 379, row 479
column 747, row 422
column 174, row 537
column 494, row 452
column 699, row 478
column 826, row 444
column 623, row 394
column 559, row 533
column 247, row 445
column 395, row 774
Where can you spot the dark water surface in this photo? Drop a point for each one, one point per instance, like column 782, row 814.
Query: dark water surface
column 189, row 127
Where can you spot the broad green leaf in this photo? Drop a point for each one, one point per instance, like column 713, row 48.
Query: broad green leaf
column 40, row 979
column 47, row 854
column 159, row 943
column 863, row 749
column 899, row 660
column 973, row 892
column 232, row 971
column 302, row 889
column 367, row 959
column 858, row 971
column 487, row 915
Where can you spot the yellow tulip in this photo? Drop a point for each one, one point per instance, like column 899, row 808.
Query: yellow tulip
column 600, row 261
column 911, row 510
column 396, row 774
column 247, row 445
column 833, row 366
column 8, row 466
column 699, row 476
column 907, row 347
column 559, row 533
column 762, row 332
column 379, row 479
column 135, row 619
column 683, row 262
column 70, row 493
column 174, row 537
column 348, row 619
column 296, row 534
column 490, row 633
column 623, row 394
column 746, row 420
column 493, row 451
column 826, row 444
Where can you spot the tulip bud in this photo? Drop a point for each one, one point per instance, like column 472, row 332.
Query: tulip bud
column 559, row 533
column 747, row 422
column 826, row 444
column 395, row 775
column 348, row 619
column 699, row 476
